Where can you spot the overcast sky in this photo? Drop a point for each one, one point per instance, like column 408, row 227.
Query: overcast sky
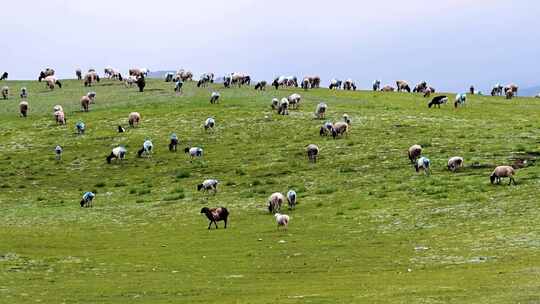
column 450, row 43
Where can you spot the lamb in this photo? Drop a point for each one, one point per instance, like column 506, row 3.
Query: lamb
column 209, row 123
column 118, row 153
column 80, row 126
column 58, row 153
column 85, row 103
column 388, row 88
column 291, row 198
column 194, row 152
column 214, row 98
column 275, row 103
column 23, row 108
column 133, row 119
column 215, row 215
column 52, row 81
column 60, row 117
column 326, row 129
column 90, row 78
column 207, row 185
column 376, row 85
column 282, row 220
column 349, row 85
column 312, row 152
column 283, row 108
column 402, row 85
column 438, row 100
column 173, row 143
column 147, row 148
column 455, row 163
column 5, row 92
column 87, row 199
column 275, row 201
column 423, row 164
column 461, row 98
column 414, row 152
column 294, row 100
column 335, row 84
column 502, row 171
column 320, row 110
column 24, row 93
column 340, row 128
column 261, row 85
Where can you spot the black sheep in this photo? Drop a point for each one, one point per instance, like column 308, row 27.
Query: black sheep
column 215, row 215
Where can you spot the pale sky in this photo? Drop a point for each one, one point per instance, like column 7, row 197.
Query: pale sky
column 451, row 44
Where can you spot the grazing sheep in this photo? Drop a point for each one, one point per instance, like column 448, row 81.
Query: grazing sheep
column 81, row 127
column 215, row 215
column 51, row 82
column 402, row 85
column 291, row 198
column 283, row 108
column 194, row 152
column 275, row 103
column 275, row 201
column 173, row 143
column 227, row 81
column 312, row 152
column 388, row 88
column 90, row 78
column 346, row 119
column 108, row 72
column 57, row 108
column 4, row 76
column 261, row 85
column 205, row 79
column 118, row 153
column 326, row 129
column 183, row 75
column 312, row 82
column 422, row 164
column 461, row 98
column 87, row 199
column 349, row 85
column 282, row 220
column 305, row 84
column 376, row 85
column 414, row 152
column 138, row 72
column 24, row 93
column 455, row 163
column 420, row 87
column 133, row 119
column 320, row 110
column 509, row 94
column 85, row 103
column 497, row 90
column 178, row 86
column 207, row 185
column 58, row 153
column 60, row 117
column 121, row 129
column 511, row 87
column 23, row 108
column 147, row 148
column 169, row 77
column 502, row 171
column 209, row 123
column 5, row 92
column 141, row 83
column 130, row 80
column 438, row 100
column 214, row 98
column 44, row 74
column 340, row 128
column 335, row 84
column 294, row 100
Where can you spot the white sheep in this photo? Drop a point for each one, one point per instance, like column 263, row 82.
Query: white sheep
column 275, row 103
column 283, row 108
column 207, row 185
column 423, row 164
column 291, row 198
column 117, row 153
column 147, row 148
column 24, row 93
column 461, row 98
column 455, row 163
column 194, row 152
column 326, row 129
column 209, row 123
column 294, row 100
column 275, row 201
column 58, row 152
column 214, row 98
column 340, row 128
column 282, row 220
column 320, row 110
column 133, row 119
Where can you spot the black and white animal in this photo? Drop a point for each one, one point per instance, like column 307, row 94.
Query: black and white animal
column 376, row 85
column 275, row 201
column 215, row 215
column 320, row 110
column 78, row 73
column 402, row 85
column 141, row 83
column 283, row 108
column 455, row 163
column 438, row 100
column 461, row 98
column 497, row 90
column 326, row 129
column 205, row 79
column 58, row 152
column 208, row 185
column 178, row 86
column 87, row 199
column 147, row 148
column 173, row 143
column 24, row 93
column 214, row 98
column 500, row 172
column 121, row 129
column 194, row 152
column 349, row 85
column 4, row 76
column 81, row 127
column 335, row 84
column 209, row 124
column 423, row 164
column 282, row 220
column 340, row 128
column 414, row 152
column 169, row 77
column 5, row 92
column 118, row 153
column 291, row 198
column 312, row 152
column 261, row 85
column 294, row 100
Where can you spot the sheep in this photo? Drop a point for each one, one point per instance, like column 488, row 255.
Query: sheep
column 60, row 117
column 326, row 129
column 346, row 119
column 376, row 85
column 205, row 79
column 320, row 110
column 349, row 85
column 438, row 100
column 44, row 74
column 121, row 129
column 275, row 201
column 193, row 152
column 291, row 198
column 502, row 171
column 90, row 78
column 183, row 75
column 305, row 84
column 340, row 128
column 214, row 98
column 138, row 72
column 511, row 87
column 4, row 76
column 227, row 81
column 414, row 152
column 312, row 152
column 275, row 103
column 85, row 103
column 497, row 90
column 402, row 85
column 209, row 123
column 130, row 80
column 169, row 77
column 24, row 93
column 294, row 100
column 282, row 220
column 420, row 87
column 428, row 91
column 57, row 108
column 141, row 83
column 51, row 81
column 147, row 148
column 118, row 153
column 80, row 126
column 537, row 96
column 423, row 164
column 78, row 73
column 335, row 84
column 311, row 82
column 388, row 88
column 173, row 143
column 5, row 92
column 87, row 199
column 178, row 86
column 509, row 94
column 261, row 85
column 283, row 108
column 240, row 79
column 133, row 119
column 108, row 72
column 58, row 153
column 207, row 185
column 282, row 81
column 23, row 108
column 455, row 163
column 215, row 215
column 461, row 98
column 92, row 96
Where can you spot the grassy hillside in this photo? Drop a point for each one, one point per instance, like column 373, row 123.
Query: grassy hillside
column 367, row 229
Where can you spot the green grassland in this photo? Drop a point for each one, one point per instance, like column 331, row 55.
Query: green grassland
column 367, row 229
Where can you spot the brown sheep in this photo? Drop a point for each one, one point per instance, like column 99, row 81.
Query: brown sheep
column 312, row 152
column 511, row 87
column 133, row 119
column 340, row 128
column 502, row 171
column 402, row 85
column 388, row 88
column 275, row 201
column 23, row 108
column 509, row 94
column 85, row 103
column 215, row 215
column 414, row 152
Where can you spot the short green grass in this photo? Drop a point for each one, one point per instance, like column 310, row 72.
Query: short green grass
column 367, row 228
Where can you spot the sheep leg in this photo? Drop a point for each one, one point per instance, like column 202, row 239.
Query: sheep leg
column 225, row 227
column 209, row 225
column 215, row 223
